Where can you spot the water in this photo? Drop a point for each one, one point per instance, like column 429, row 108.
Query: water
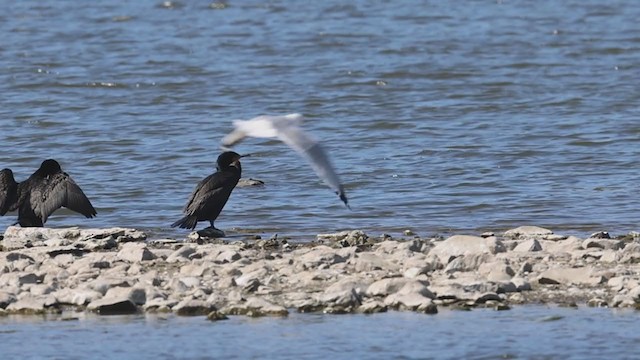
column 441, row 117
column 522, row 333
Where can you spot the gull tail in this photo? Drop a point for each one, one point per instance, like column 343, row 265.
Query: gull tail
column 187, row 222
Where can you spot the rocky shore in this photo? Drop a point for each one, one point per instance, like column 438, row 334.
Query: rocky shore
column 120, row 271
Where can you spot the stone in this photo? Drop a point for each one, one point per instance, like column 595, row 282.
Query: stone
column 528, row 245
column 458, row 245
column 191, row 307
column 372, row 306
column 228, row 256
column 180, row 255
column 469, row 262
column 345, row 298
column 568, row 276
column 27, row 306
column 364, row 262
column 526, row 232
column 320, row 255
column 216, row 315
column 78, row 297
column 6, row 298
column 137, row 295
column 387, row 286
column 113, row 306
column 18, row 237
column 345, row 238
column 135, row 252
column 603, row 243
column 412, row 302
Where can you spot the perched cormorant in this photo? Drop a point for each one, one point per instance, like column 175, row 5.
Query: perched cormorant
column 45, row 191
column 287, row 129
column 8, row 190
column 211, row 194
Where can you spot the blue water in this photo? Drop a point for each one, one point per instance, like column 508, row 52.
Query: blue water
column 529, row 332
column 442, row 117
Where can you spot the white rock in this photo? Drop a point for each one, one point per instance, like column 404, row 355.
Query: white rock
column 386, row 286
column 528, row 245
column 181, row 254
column 458, row 245
column 135, row 252
column 527, row 232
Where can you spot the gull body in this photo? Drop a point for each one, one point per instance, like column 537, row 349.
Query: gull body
column 287, row 129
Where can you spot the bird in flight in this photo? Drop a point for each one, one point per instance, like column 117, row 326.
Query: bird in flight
column 287, row 129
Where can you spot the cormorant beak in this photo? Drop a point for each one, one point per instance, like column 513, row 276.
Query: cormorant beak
column 245, row 155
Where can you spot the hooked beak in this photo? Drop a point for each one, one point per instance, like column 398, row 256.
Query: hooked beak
column 245, row 155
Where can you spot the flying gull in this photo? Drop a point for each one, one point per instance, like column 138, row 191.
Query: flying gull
column 287, row 129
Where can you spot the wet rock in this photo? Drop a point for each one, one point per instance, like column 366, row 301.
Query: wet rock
column 600, row 235
column 255, row 307
column 458, row 245
column 249, row 182
column 113, row 306
column 345, row 238
column 191, row 307
column 206, row 233
column 27, row 306
column 411, row 302
column 216, row 315
column 135, row 252
column 78, row 297
column 372, row 306
column 527, row 232
column 137, row 295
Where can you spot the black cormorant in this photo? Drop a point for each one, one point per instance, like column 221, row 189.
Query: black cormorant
column 45, row 191
column 211, row 194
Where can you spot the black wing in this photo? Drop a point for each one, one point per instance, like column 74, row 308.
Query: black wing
column 60, row 190
column 211, row 191
column 8, row 191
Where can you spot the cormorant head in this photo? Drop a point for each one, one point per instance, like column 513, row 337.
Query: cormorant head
column 49, row 167
column 228, row 159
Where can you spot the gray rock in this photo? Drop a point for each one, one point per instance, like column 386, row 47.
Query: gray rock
column 528, row 245
column 27, row 306
column 603, row 243
column 180, row 255
column 191, row 307
column 256, row 307
column 135, row 252
column 137, row 295
column 345, row 238
column 78, row 297
column 228, row 256
column 6, row 298
column 372, row 306
column 469, row 262
column 18, row 238
column 344, row 299
column 412, row 302
column 386, row 286
column 526, row 232
column 320, row 255
column 458, row 245
column 249, row 182
column 569, row 276
column 364, row 262
column 113, row 306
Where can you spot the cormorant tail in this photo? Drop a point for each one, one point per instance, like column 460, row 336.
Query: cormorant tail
column 187, row 222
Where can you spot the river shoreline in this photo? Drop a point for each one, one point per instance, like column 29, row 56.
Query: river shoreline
column 121, row 271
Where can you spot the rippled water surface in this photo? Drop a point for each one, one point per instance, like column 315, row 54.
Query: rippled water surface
column 440, row 116
column 521, row 333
